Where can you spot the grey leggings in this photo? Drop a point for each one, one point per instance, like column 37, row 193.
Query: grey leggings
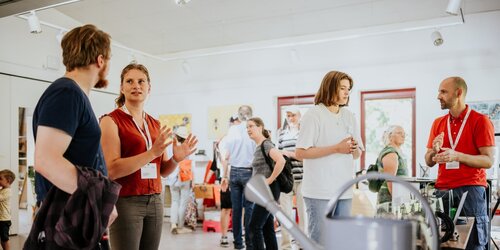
column 139, row 223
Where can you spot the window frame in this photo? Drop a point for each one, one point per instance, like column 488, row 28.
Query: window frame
column 389, row 94
column 292, row 100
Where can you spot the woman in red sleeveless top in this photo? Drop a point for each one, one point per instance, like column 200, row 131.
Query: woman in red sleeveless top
column 134, row 146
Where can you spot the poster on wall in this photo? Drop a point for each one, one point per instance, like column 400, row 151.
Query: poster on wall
column 174, row 121
column 491, row 109
column 218, row 120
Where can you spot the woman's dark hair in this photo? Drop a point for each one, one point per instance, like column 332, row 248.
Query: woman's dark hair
column 120, row 101
column 329, row 88
column 260, row 124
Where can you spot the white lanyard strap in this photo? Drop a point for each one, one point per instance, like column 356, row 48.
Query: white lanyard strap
column 454, row 145
column 147, row 136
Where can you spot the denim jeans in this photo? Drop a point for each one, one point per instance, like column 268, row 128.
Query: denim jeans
column 180, row 196
column 316, row 211
column 475, row 205
column 261, row 227
column 238, row 180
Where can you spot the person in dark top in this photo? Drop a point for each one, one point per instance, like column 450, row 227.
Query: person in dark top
column 65, row 128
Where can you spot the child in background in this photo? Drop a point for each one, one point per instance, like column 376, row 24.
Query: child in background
column 6, row 179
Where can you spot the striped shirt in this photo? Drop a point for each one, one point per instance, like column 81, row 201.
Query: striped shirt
column 287, row 138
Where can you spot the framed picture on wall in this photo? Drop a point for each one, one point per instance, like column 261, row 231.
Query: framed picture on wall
column 491, row 109
column 218, row 120
column 302, row 102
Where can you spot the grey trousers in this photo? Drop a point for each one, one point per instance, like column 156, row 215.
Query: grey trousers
column 139, row 223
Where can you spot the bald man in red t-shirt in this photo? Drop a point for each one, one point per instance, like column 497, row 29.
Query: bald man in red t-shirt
column 462, row 143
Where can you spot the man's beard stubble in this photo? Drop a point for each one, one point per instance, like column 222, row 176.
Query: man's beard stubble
column 102, row 82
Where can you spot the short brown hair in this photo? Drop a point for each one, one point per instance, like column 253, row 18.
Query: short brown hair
column 120, row 101
column 330, row 86
column 9, row 175
column 82, row 45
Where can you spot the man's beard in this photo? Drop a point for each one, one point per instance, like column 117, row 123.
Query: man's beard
column 443, row 105
column 102, row 82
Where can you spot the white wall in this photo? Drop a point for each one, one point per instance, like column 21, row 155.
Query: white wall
column 399, row 60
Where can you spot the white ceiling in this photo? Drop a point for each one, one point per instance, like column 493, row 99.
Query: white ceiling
column 160, row 27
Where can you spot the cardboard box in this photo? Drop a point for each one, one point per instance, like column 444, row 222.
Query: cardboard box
column 203, row 191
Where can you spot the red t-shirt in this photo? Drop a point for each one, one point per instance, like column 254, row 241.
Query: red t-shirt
column 132, row 143
column 478, row 132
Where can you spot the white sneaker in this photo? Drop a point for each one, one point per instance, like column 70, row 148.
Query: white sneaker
column 173, row 228
column 224, row 242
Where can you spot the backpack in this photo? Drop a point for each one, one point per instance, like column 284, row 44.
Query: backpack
column 375, row 184
column 285, row 178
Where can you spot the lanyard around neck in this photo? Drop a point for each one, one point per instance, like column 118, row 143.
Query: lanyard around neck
column 147, row 136
column 454, row 145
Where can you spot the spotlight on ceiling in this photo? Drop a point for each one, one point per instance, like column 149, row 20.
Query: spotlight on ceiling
column 182, row 2
column 34, row 23
column 453, row 7
column 437, row 38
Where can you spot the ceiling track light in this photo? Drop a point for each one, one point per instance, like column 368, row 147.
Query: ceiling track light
column 34, row 23
column 454, row 6
column 437, row 38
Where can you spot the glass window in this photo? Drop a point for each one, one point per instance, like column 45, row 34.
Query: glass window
column 379, row 110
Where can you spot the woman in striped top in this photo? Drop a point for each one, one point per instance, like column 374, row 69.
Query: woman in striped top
column 287, row 138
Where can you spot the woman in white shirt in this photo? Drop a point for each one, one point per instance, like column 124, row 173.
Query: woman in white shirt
column 328, row 144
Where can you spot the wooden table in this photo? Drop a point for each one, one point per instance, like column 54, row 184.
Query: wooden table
column 463, row 236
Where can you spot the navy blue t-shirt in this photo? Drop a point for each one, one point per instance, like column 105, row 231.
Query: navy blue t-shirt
column 65, row 106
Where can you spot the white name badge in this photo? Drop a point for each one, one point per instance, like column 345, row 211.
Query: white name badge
column 148, row 171
column 453, row 165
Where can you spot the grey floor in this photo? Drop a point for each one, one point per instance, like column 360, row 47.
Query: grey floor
column 198, row 240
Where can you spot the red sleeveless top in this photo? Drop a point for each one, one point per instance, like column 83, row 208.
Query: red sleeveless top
column 132, row 143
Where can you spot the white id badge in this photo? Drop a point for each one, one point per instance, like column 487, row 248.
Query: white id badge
column 148, row 171
column 453, row 165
